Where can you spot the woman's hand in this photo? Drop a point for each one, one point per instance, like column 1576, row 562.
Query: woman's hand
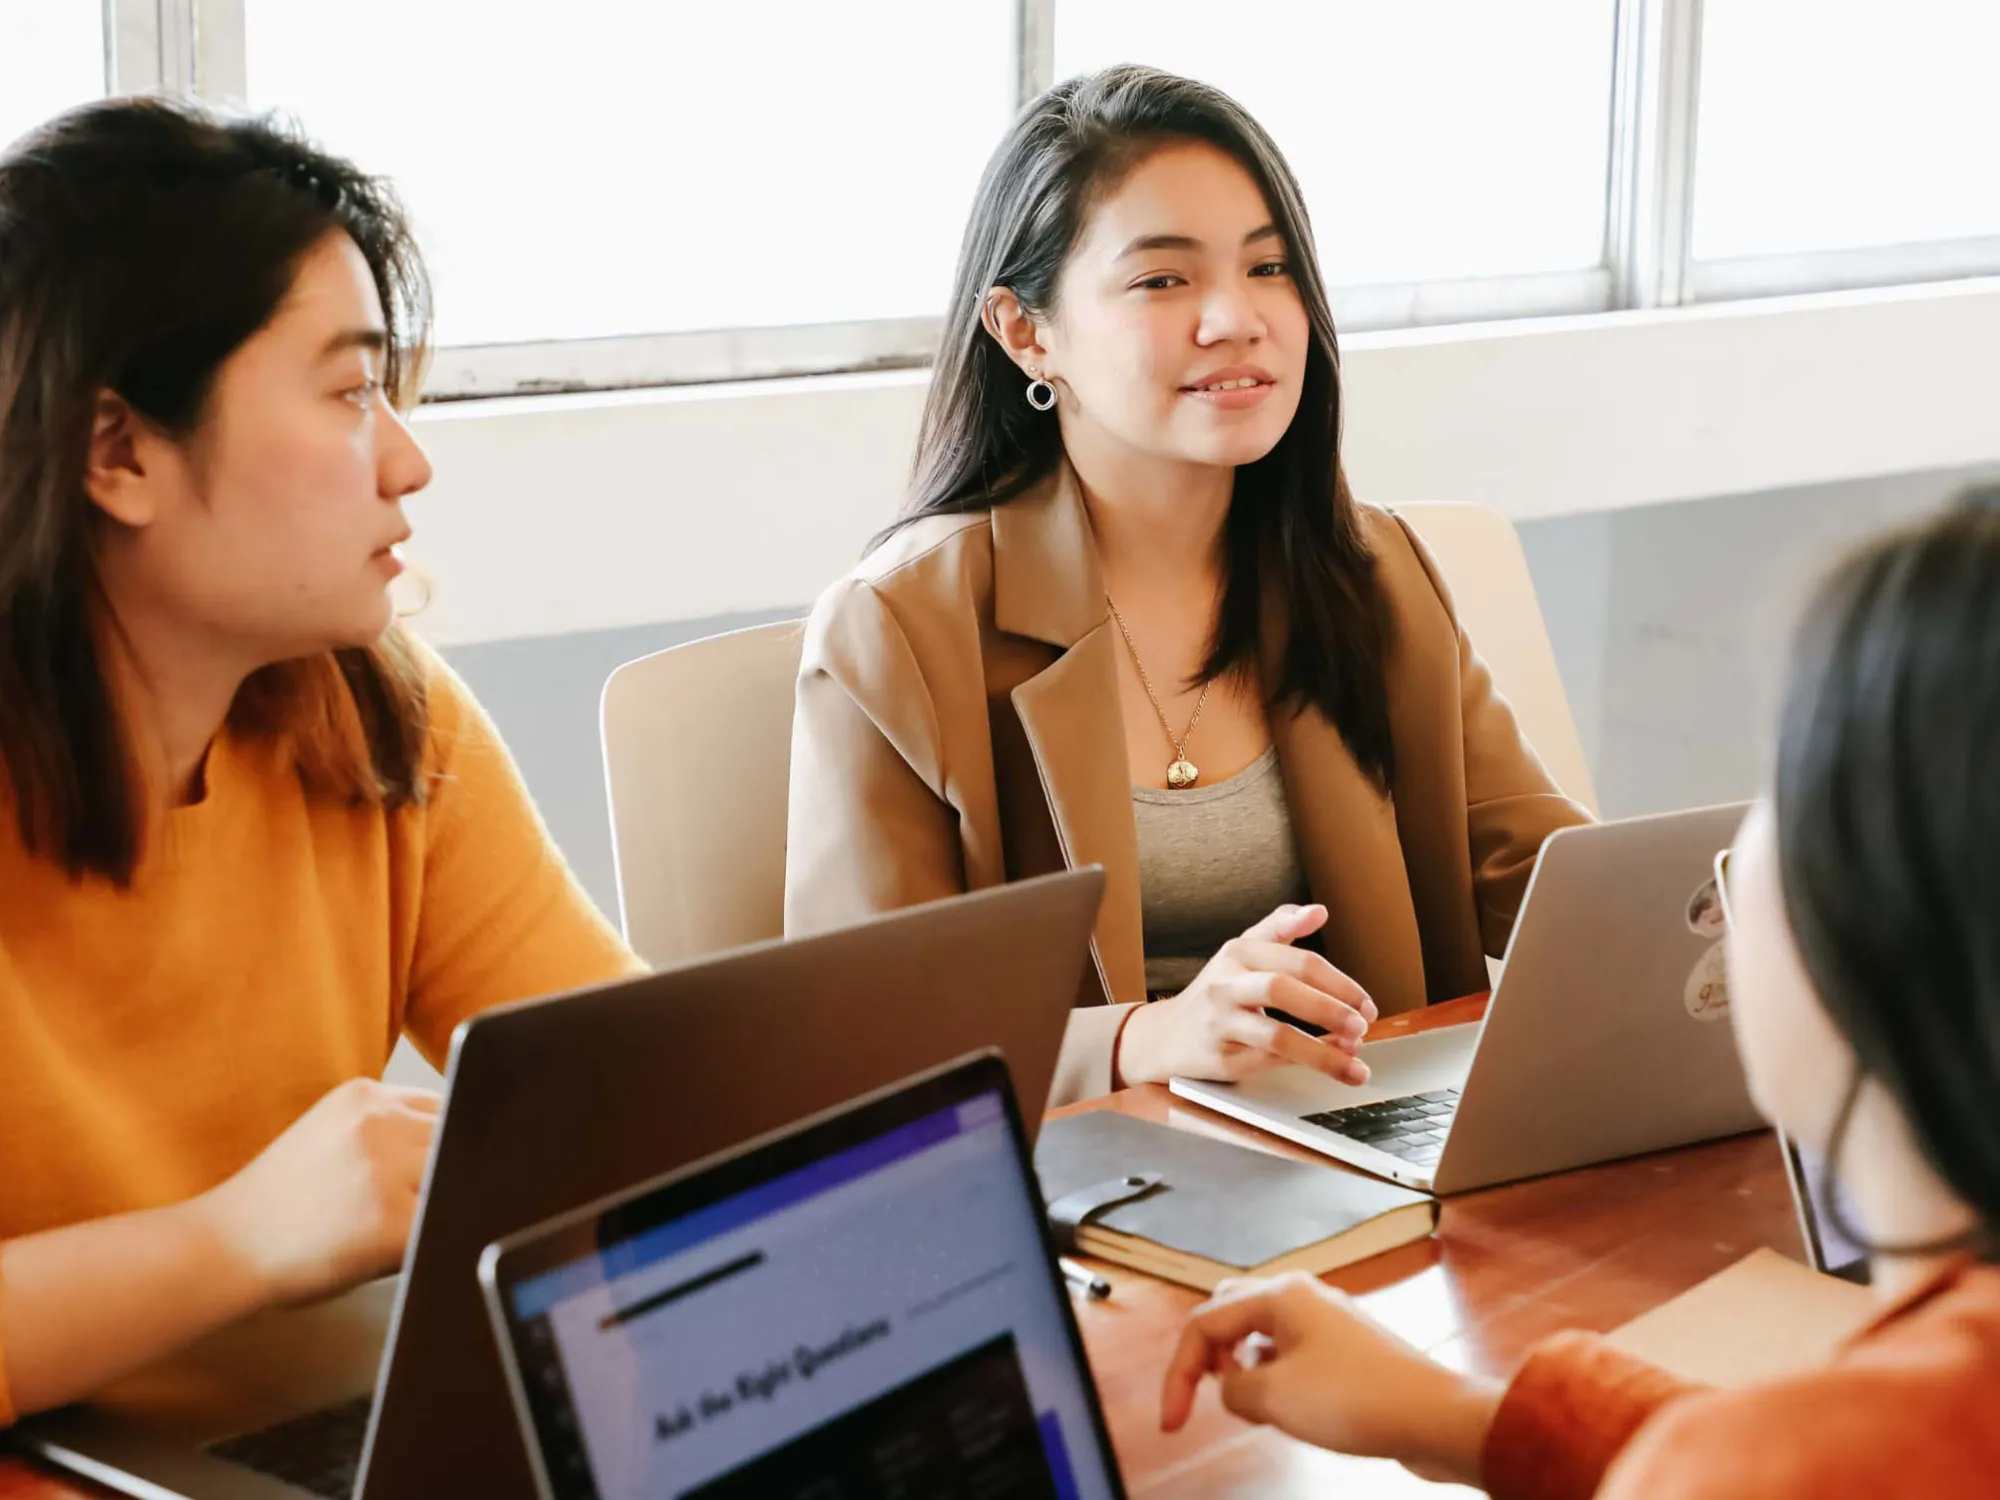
column 328, row 1204
column 1297, row 1355
column 1216, row 1027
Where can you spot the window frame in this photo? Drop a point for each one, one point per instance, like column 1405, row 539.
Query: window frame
column 197, row 46
column 1742, row 278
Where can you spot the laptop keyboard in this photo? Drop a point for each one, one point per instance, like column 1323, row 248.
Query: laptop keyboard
column 319, row 1452
column 1412, row 1127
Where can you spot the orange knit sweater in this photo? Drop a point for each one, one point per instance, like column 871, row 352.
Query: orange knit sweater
column 154, row 1040
column 1909, row 1410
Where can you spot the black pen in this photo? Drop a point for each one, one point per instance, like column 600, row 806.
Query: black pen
column 1083, row 1279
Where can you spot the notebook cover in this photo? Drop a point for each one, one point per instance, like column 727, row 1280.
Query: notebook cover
column 1219, row 1201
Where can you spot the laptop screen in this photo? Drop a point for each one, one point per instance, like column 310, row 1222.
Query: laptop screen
column 1827, row 1249
column 869, row 1316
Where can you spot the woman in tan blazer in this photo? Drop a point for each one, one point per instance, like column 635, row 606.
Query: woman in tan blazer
column 1137, row 595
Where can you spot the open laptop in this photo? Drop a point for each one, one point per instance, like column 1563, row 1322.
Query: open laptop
column 1814, row 1191
column 394, row 1392
column 1606, row 1036
column 866, row 1304
column 1827, row 1249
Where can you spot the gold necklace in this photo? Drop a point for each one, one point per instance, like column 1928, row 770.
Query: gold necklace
column 1181, row 772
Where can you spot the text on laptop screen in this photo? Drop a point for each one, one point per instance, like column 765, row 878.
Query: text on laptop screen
column 879, row 1321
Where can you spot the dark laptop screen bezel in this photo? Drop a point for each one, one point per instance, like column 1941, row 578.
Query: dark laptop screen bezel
column 1798, row 1173
column 592, row 1230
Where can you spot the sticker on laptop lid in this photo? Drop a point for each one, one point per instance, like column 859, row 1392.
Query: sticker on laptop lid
column 1707, row 992
column 1704, row 911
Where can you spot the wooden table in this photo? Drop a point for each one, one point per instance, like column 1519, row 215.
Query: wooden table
column 1586, row 1249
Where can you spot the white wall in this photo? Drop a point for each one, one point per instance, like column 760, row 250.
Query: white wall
column 558, row 514
column 1702, row 600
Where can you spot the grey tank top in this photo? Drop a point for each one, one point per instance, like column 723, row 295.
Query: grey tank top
column 1212, row 860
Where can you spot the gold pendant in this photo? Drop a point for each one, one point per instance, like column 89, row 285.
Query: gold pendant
column 1181, row 775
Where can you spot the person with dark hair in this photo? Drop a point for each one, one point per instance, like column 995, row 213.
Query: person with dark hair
column 1864, row 955
column 249, row 831
column 1133, row 617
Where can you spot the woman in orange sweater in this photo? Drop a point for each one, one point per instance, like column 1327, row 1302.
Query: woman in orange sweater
column 1865, row 955
column 249, row 833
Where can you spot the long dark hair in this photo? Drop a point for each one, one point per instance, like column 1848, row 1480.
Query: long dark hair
column 142, row 241
column 1888, row 812
column 1292, row 526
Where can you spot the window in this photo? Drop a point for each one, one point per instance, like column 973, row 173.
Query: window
column 643, row 192
column 51, row 57
column 1830, row 127
column 620, row 167
column 1433, row 141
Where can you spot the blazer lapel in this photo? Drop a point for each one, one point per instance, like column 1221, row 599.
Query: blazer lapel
column 1348, row 842
column 1346, row 834
column 1047, row 588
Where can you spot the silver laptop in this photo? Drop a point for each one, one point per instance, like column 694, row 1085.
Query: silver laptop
column 863, row 1305
column 1607, row 1034
column 394, row 1392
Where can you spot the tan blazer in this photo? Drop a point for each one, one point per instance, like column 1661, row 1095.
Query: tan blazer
column 958, row 727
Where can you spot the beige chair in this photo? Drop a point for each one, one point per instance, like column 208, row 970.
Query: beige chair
column 1487, row 573
column 697, row 761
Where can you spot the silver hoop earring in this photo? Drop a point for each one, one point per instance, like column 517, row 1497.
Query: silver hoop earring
column 1041, row 395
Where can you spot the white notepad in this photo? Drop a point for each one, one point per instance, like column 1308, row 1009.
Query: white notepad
column 1763, row 1317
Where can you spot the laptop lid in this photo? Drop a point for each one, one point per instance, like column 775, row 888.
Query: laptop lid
column 1608, row 1034
column 865, row 1304
column 552, row 1103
